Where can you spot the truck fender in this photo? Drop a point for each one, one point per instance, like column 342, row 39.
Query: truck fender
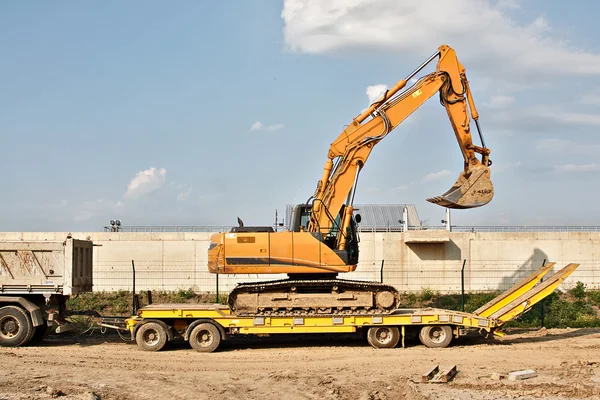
column 157, row 321
column 37, row 317
column 197, row 322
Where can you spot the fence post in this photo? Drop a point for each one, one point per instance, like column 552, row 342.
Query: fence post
column 542, row 302
column 217, row 288
column 462, row 286
column 135, row 300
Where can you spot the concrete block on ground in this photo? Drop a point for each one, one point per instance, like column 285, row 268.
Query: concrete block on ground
column 498, row 376
column 520, row 375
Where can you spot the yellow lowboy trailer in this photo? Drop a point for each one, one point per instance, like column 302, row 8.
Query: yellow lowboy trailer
column 206, row 325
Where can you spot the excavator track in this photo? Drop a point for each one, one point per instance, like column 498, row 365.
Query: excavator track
column 306, row 297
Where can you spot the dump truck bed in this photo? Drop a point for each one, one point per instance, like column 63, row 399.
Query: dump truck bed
column 46, row 267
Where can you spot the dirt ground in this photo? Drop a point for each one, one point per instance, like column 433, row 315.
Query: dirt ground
column 303, row 367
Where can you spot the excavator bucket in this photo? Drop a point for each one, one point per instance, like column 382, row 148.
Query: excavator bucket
column 473, row 188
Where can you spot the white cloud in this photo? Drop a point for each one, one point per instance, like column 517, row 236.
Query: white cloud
column 184, row 192
column 496, row 168
column 436, row 175
column 484, row 35
column 259, row 126
column 145, row 182
column 500, row 101
column 565, row 147
column 375, row 92
column 508, row 4
column 591, row 99
column 274, row 127
column 578, row 168
column 571, row 118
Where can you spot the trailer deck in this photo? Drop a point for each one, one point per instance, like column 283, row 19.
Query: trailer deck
column 205, row 325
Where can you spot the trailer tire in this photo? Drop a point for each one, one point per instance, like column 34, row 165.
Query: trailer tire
column 436, row 336
column 151, row 336
column 205, row 338
column 383, row 337
column 16, row 328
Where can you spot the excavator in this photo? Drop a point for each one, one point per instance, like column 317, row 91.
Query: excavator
column 322, row 239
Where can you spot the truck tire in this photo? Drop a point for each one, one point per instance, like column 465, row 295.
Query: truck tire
column 383, row 337
column 151, row 336
column 205, row 338
column 16, row 328
column 436, row 336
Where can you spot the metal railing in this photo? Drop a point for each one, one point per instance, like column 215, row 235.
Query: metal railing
column 526, row 228
column 455, row 228
column 172, row 228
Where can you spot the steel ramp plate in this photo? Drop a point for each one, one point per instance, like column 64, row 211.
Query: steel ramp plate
column 524, row 302
column 514, row 292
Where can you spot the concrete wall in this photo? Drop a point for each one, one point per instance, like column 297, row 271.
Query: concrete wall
column 171, row 261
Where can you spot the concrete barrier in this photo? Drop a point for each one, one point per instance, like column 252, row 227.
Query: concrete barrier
column 412, row 261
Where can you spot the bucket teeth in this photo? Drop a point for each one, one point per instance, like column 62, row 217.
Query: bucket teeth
column 435, row 199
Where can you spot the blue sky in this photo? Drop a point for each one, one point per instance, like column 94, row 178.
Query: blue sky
column 144, row 111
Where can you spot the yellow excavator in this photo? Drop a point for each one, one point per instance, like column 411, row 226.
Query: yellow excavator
column 322, row 239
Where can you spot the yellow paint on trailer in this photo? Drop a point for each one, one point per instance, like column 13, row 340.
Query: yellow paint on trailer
column 523, row 303
column 514, row 292
column 316, row 324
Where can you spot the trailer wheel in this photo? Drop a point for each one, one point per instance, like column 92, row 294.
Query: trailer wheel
column 16, row 328
column 436, row 336
column 383, row 337
column 151, row 336
column 205, row 338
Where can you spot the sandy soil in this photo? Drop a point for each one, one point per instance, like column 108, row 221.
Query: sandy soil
column 306, row 367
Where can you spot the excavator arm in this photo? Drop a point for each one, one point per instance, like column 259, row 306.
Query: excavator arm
column 350, row 151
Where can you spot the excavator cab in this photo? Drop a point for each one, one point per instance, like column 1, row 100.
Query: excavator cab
column 299, row 222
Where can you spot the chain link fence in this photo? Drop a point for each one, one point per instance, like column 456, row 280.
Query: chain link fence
column 443, row 277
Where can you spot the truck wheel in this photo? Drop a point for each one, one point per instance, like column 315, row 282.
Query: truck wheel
column 16, row 328
column 39, row 334
column 383, row 337
column 151, row 336
column 205, row 338
column 436, row 336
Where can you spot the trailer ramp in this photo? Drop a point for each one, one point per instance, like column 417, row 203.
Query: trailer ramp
column 524, row 295
column 514, row 292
